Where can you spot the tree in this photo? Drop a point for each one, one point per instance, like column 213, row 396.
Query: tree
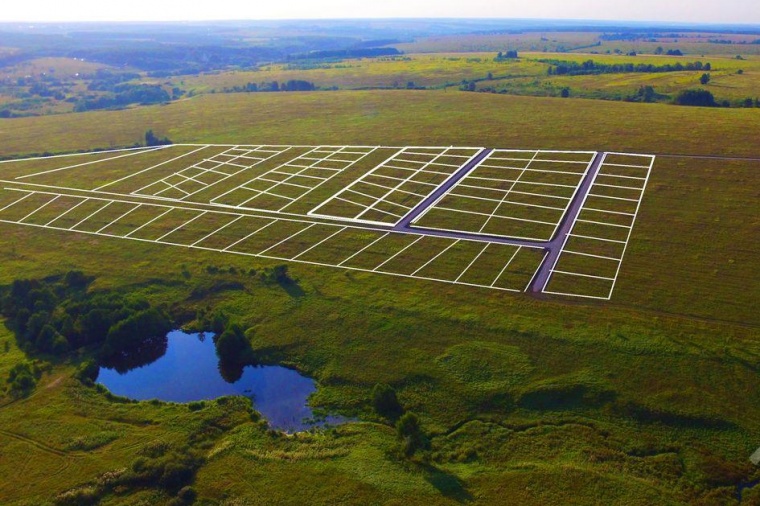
column 232, row 346
column 152, row 140
column 704, row 79
column 385, row 402
column 409, row 430
column 565, row 92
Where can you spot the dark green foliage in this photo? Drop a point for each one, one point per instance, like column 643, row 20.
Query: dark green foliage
column 123, row 95
column 152, row 140
column 644, row 94
column 277, row 274
column 57, row 315
column 590, row 67
column 565, row 92
column 232, row 346
column 22, row 379
column 88, row 371
column 385, row 402
column 702, row 98
column 506, row 56
column 128, row 334
column 410, row 431
column 170, row 471
column 704, row 79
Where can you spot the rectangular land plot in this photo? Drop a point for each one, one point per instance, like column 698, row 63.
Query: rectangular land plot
column 416, row 256
column 23, row 205
column 269, row 237
column 163, row 223
column 336, row 249
column 48, row 212
column 304, row 241
column 231, row 230
column 452, row 262
column 379, row 251
column 517, row 273
column 580, row 286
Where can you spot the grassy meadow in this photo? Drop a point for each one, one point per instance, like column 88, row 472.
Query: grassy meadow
column 649, row 398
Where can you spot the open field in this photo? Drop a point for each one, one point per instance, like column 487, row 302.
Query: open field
column 523, row 76
column 649, row 398
column 372, row 118
column 688, row 43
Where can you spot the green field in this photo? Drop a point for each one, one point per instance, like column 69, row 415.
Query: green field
column 648, row 398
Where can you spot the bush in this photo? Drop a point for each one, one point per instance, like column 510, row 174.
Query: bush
column 385, row 402
column 409, row 430
column 88, row 372
column 22, row 378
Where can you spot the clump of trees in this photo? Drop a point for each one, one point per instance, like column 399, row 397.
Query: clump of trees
column 701, row 98
column 408, row 427
column 152, row 139
column 270, row 86
column 22, row 379
column 123, row 95
column 59, row 314
column 508, row 55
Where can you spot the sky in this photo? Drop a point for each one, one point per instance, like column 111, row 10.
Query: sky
column 689, row 11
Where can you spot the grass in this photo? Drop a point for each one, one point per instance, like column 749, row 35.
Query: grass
column 649, row 398
column 375, row 118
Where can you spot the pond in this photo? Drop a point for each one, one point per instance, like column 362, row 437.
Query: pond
column 189, row 371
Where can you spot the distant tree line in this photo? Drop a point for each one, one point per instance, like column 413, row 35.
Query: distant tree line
column 270, row 86
column 125, row 94
column 590, row 67
column 369, row 52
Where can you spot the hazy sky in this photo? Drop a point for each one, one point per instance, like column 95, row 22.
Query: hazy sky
column 724, row 11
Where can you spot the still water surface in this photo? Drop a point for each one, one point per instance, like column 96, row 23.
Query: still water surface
column 189, row 371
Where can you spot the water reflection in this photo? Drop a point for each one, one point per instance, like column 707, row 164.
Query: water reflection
column 189, row 370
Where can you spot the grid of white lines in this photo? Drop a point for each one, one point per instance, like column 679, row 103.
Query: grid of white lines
column 384, row 190
column 501, row 159
column 636, row 177
column 210, row 171
column 223, row 220
column 294, row 179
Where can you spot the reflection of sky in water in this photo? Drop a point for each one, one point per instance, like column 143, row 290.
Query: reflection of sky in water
column 189, row 372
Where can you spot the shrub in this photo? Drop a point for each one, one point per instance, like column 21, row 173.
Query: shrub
column 385, row 402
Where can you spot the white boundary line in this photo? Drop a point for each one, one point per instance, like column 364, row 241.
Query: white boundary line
column 168, row 209
column 150, row 168
column 564, row 241
column 91, row 162
column 440, row 253
column 630, row 230
column 39, row 208
column 88, row 153
column 504, row 269
column 624, row 243
column 218, row 230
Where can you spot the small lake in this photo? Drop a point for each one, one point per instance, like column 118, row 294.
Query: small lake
column 189, row 371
